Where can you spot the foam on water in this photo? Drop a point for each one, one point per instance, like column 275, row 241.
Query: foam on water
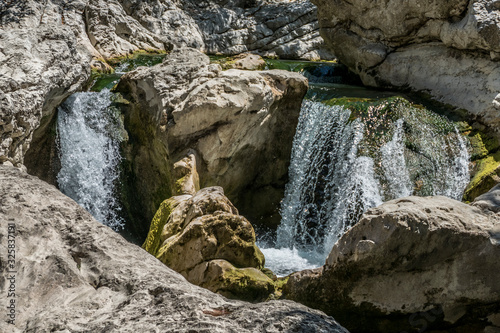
column 89, row 138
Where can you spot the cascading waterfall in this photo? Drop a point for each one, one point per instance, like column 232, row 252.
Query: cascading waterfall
column 334, row 178
column 89, row 136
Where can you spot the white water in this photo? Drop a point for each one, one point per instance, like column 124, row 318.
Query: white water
column 394, row 164
column 89, row 138
column 331, row 186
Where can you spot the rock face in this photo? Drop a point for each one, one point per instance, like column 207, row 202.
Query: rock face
column 42, row 61
column 203, row 238
column 47, row 47
column 390, row 45
column 287, row 29
column 410, row 264
column 240, row 123
column 74, row 274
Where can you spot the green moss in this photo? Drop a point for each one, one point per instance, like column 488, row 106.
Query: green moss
column 478, row 147
column 139, row 58
column 152, row 243
column 248, row 284
column 486, row 172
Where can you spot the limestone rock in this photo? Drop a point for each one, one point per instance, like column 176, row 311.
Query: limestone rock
column 241, row 124
column 412, row 259
column 220, row 276
column 490, row 200
column 77, row 275
column 246, row 61
column 203, row 238
column 391, row 45
column 187, row 180
column 43, row 59
column 287, row 29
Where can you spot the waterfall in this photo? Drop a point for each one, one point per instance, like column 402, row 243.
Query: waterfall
column 336, row 174
column 89, row 136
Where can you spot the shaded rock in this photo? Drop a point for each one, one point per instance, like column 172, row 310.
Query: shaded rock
column 390, row 46
column 486, row 173
column 75, row 274
column 489, row 201
column 203, row 238
column 241, row 123
column 408, row 260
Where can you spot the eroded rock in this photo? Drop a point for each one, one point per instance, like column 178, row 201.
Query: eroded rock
column 203, row 238
column 44, row 57
column 449, row 49
column 406, row 260
column 241, row 124
column 75, row 274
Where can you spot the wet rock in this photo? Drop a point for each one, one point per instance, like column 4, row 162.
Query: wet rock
column 406, row 261
column 75, row 274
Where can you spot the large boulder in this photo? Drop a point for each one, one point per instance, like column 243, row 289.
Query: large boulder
column 240, row 123
column 203, row 238
column 74, row 274
column 447, row 48
column 411, row 264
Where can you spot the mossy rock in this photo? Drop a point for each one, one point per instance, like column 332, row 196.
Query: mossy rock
column 248, row 284
column 486, row 175
column 153, row 241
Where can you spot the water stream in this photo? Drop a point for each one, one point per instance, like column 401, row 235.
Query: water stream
column 89, row 137
column 354, row 149
column 345, row 162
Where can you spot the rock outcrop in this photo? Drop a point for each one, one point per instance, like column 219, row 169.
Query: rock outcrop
column 449, row 49
column 43, row 59
column 240, row 123
column 75, row 274
column 411, row 264
column 203, row 238
column 47, row 46
column 287, row 29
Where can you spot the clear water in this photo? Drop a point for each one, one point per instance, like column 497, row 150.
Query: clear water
column 344, row 163
column 89, row 136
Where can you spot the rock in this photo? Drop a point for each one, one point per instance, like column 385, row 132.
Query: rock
column 219, row 276
column 246, row 61
column 42, row 61
column 390, row 46
column 410, row 264
column 240, row 123
column 186, row 175
column 486, row 173
column 120, row 27
column 203, row 238
column 75, row 274
column 287, row 29
column 489, row 201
